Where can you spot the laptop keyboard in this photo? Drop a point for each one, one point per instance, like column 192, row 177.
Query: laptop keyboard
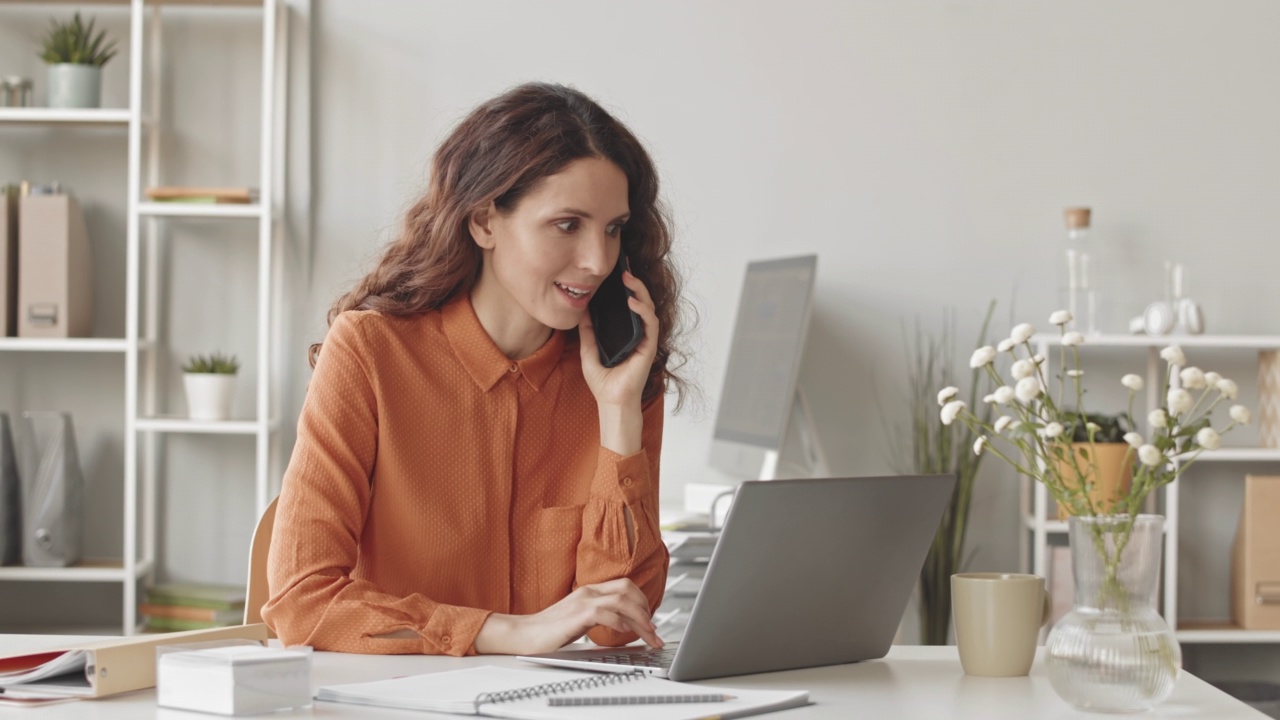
column 647, row 658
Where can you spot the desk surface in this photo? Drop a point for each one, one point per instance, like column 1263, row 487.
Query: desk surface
column 912, row 682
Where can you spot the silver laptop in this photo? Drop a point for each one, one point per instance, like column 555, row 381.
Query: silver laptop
column 806, row 573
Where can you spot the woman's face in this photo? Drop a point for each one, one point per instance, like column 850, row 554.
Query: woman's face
column 545, row 258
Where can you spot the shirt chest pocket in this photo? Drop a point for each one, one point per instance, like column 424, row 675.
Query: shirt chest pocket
column 559, row 530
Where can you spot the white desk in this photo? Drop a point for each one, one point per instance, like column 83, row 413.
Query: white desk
column 912, row 682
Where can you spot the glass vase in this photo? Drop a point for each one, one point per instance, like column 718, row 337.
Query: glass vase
column 1113, row 652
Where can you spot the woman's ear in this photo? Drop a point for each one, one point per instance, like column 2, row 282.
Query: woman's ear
column 481, row 225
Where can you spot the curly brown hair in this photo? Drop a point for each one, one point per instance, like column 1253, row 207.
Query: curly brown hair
column 498, row 154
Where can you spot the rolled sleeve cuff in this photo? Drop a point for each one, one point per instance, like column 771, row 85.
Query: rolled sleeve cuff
column 452, row 630
column 621, row 478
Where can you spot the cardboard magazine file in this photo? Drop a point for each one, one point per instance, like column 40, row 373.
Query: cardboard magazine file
column 55, row 268
column 111, row 666
column 1255, row 557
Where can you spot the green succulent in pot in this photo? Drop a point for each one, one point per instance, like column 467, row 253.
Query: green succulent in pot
column 75, row 43
column 214, row 364
column 75, row 53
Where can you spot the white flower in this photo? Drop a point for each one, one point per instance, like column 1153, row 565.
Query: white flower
column 1060, row 317
column 982, row 356
column 1209, row 439
column 946, row 394
column 1037, row 359
column 1134, row 439
column 1174, row 356
column 1131, row 381
column 1240, row 414
column 988, row 399
column 1092, row 427
column 1022, row 369
column 1072, row 338
column 1192, row 378
column 1022, row 333
column 1179, row 401
column 1003, row 422
column 1004, row 394
column 1028, row 389
column 1150, row 455
column 951, row 410
column 1158, row 418
column 1006, row 345
column 979, row 444
column 1228, row 389
column 1075, row 373
column 1211, row 379
column 1052, row 430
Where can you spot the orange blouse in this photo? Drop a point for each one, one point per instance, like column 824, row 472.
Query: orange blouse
column 435, row 481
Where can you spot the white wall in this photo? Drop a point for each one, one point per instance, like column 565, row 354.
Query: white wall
column 923, row 150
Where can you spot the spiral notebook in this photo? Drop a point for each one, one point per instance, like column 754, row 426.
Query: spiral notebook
column 525, row 695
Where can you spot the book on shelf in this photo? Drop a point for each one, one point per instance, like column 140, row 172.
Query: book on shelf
column 157, row 623
column 198, row 595
column 202, row 195
column 517, row 693
column 100, row 668
column 187, row 613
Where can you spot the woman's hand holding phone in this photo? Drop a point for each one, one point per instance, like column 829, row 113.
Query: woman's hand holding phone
column 618, row 389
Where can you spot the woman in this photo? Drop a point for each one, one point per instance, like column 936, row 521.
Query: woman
column 468, row 478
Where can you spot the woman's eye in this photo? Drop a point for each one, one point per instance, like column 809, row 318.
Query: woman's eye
column 567, row 225
column 615, row 230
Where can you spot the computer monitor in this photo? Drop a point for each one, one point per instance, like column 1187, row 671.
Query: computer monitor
column 764, row 429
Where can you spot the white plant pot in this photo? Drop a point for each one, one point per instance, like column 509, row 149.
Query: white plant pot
column 75, row 86
column 209, row 395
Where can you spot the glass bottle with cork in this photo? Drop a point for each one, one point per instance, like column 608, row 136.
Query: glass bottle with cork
column 1075, row 289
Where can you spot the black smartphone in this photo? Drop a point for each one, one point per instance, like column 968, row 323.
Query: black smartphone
column 618, row 328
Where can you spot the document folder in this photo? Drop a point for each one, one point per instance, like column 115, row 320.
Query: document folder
column 106, row 667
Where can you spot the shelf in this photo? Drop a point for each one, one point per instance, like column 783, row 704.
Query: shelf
column 1223, row 632
column 64, row 116
column 1251, row 342
column 86, row 571
column 212, row 427
column 186, row 3
column 1238, row 454
column 1057, row 526
column 1050, row 526
column 178, row 209
column 87, row 345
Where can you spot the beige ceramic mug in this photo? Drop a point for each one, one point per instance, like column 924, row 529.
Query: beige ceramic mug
column 998, row 617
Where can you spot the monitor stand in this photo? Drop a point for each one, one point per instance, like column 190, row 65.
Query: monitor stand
column 801, row 453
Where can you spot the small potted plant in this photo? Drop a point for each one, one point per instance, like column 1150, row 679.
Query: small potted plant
column 1104, row 458
column 210, row 381
column 75, row 56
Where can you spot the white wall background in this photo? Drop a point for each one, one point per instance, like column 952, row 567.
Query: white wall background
column 923, row 150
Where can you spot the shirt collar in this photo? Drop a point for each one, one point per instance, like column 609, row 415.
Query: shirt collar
column 481, row 357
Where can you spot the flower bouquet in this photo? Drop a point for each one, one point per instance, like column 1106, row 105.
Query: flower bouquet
column 1113, row 652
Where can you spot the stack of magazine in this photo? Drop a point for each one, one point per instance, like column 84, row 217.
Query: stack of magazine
column 690, row 545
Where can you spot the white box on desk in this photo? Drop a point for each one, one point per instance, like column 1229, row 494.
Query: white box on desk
column 233, row 680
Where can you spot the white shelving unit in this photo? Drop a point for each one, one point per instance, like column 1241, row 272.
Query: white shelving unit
column 141, row 421
column 1034, row 501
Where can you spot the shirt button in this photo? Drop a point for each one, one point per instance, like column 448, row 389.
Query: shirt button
column 444, row 639
column 626, row 481
column 514, row 367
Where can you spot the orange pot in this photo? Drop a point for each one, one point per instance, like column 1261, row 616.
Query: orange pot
column 1110, row 474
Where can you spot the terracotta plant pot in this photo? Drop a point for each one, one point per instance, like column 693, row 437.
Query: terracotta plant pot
column 1109, row 473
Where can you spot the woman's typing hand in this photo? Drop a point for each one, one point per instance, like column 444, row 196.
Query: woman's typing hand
column 616, row 604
